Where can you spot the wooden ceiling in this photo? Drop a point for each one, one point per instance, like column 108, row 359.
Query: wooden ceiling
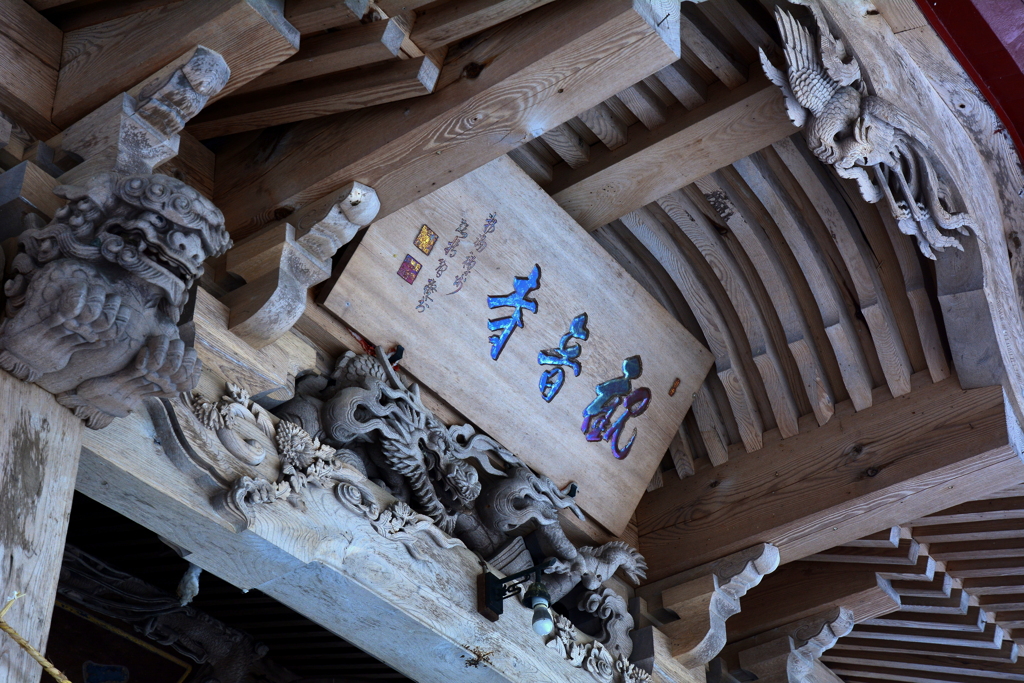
column 820, row 314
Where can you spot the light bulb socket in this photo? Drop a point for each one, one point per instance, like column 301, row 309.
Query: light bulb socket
column 537, row 594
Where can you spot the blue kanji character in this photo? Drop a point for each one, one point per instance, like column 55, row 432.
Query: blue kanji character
column 551, row 380
column 597, row 422
column 517, row 299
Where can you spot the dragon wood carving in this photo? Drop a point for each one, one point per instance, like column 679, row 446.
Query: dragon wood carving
column 864, row 137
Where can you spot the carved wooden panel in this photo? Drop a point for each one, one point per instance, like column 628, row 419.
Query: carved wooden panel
column 519, row 319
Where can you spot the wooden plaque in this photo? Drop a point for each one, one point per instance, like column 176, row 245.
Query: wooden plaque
column 485, row 278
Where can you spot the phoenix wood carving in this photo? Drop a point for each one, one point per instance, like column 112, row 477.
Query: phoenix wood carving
column 863, row 137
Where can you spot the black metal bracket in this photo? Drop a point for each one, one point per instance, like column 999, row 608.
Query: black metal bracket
column 492, row 591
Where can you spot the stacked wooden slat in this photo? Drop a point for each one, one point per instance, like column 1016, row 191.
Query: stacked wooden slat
column 963, row 626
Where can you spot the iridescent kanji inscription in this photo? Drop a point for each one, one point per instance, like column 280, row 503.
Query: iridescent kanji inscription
column 562, row 356
column 518, row 300
column 597, row 417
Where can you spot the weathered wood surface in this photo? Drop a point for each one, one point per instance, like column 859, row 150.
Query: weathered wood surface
column 330, row 566
column 930, row 87
column 522, row 79
column 269, row 371
column 38, row 463
column 934, row 447
column 103, row 60
column 30, row 53
column 655, row 162
column 446, row 344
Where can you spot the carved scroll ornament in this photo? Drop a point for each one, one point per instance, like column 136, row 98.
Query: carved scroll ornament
column 593, row 656
column 863, row 137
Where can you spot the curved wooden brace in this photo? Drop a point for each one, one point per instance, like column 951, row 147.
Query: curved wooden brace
column 773, row 275
column 704, row 598
column 728, row 361
column 766, row 356
column 280, row 267
column 838, row 323
column 860, row 262
column 790, row 654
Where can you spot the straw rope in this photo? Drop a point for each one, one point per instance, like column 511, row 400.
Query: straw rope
column 32, row 652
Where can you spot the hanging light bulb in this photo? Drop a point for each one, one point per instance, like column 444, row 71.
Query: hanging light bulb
column 539, row 599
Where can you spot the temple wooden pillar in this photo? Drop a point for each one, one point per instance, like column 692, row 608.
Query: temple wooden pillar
column 40, row 442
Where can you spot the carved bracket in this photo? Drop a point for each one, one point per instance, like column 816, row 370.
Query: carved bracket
column 279, row 266
column 691, row 608
column 790, row 654
column 863, row 137
column 592, row 656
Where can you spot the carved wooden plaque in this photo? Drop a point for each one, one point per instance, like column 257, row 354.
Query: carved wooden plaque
column 511, row 312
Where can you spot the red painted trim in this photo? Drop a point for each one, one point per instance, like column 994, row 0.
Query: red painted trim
column 984, row 57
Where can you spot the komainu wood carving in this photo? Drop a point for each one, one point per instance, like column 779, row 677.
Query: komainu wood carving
column 94, row 303
column 865, row 138
column 93, row 307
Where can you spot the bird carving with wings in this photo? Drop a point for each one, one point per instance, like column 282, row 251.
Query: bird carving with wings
column 864, row 137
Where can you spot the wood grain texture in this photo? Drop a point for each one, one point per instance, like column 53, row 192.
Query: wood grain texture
column 26, row 27
column 568, row 144
column 729, row 356
column 269, row 371
column 755, row 243
column 936, row 446
column 861, row 263
column 316, row 97
column 801, row 589
column 38, row 464
column 27, row 87
column 837, row 319
column 767, row 357
column 689, row 146
column 310, row 16
column 346, row 48
column 586, row 49
column 335, row 575
column 644, row 104
column 103, row 60
column 930, row 87
column 531, row 230
column 707, row 43
column 449, row 22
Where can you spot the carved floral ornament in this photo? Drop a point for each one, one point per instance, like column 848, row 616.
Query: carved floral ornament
column 364, row 436
column 863, row 137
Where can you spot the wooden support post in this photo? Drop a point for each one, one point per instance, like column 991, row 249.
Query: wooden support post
column 904, row 457
column 519, row 82
column 39, row 450
column 703, row 599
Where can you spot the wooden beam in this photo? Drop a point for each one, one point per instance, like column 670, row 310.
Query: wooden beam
column 103, row 60
column 357, row 89
column 445, row 23
column 25, row 189
column 423, row 588
column 517, row 82
column 934, row 447
column 30, row 54
column 347, row 48
column 690, row 145
column 38, row 463
column 310, row 16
